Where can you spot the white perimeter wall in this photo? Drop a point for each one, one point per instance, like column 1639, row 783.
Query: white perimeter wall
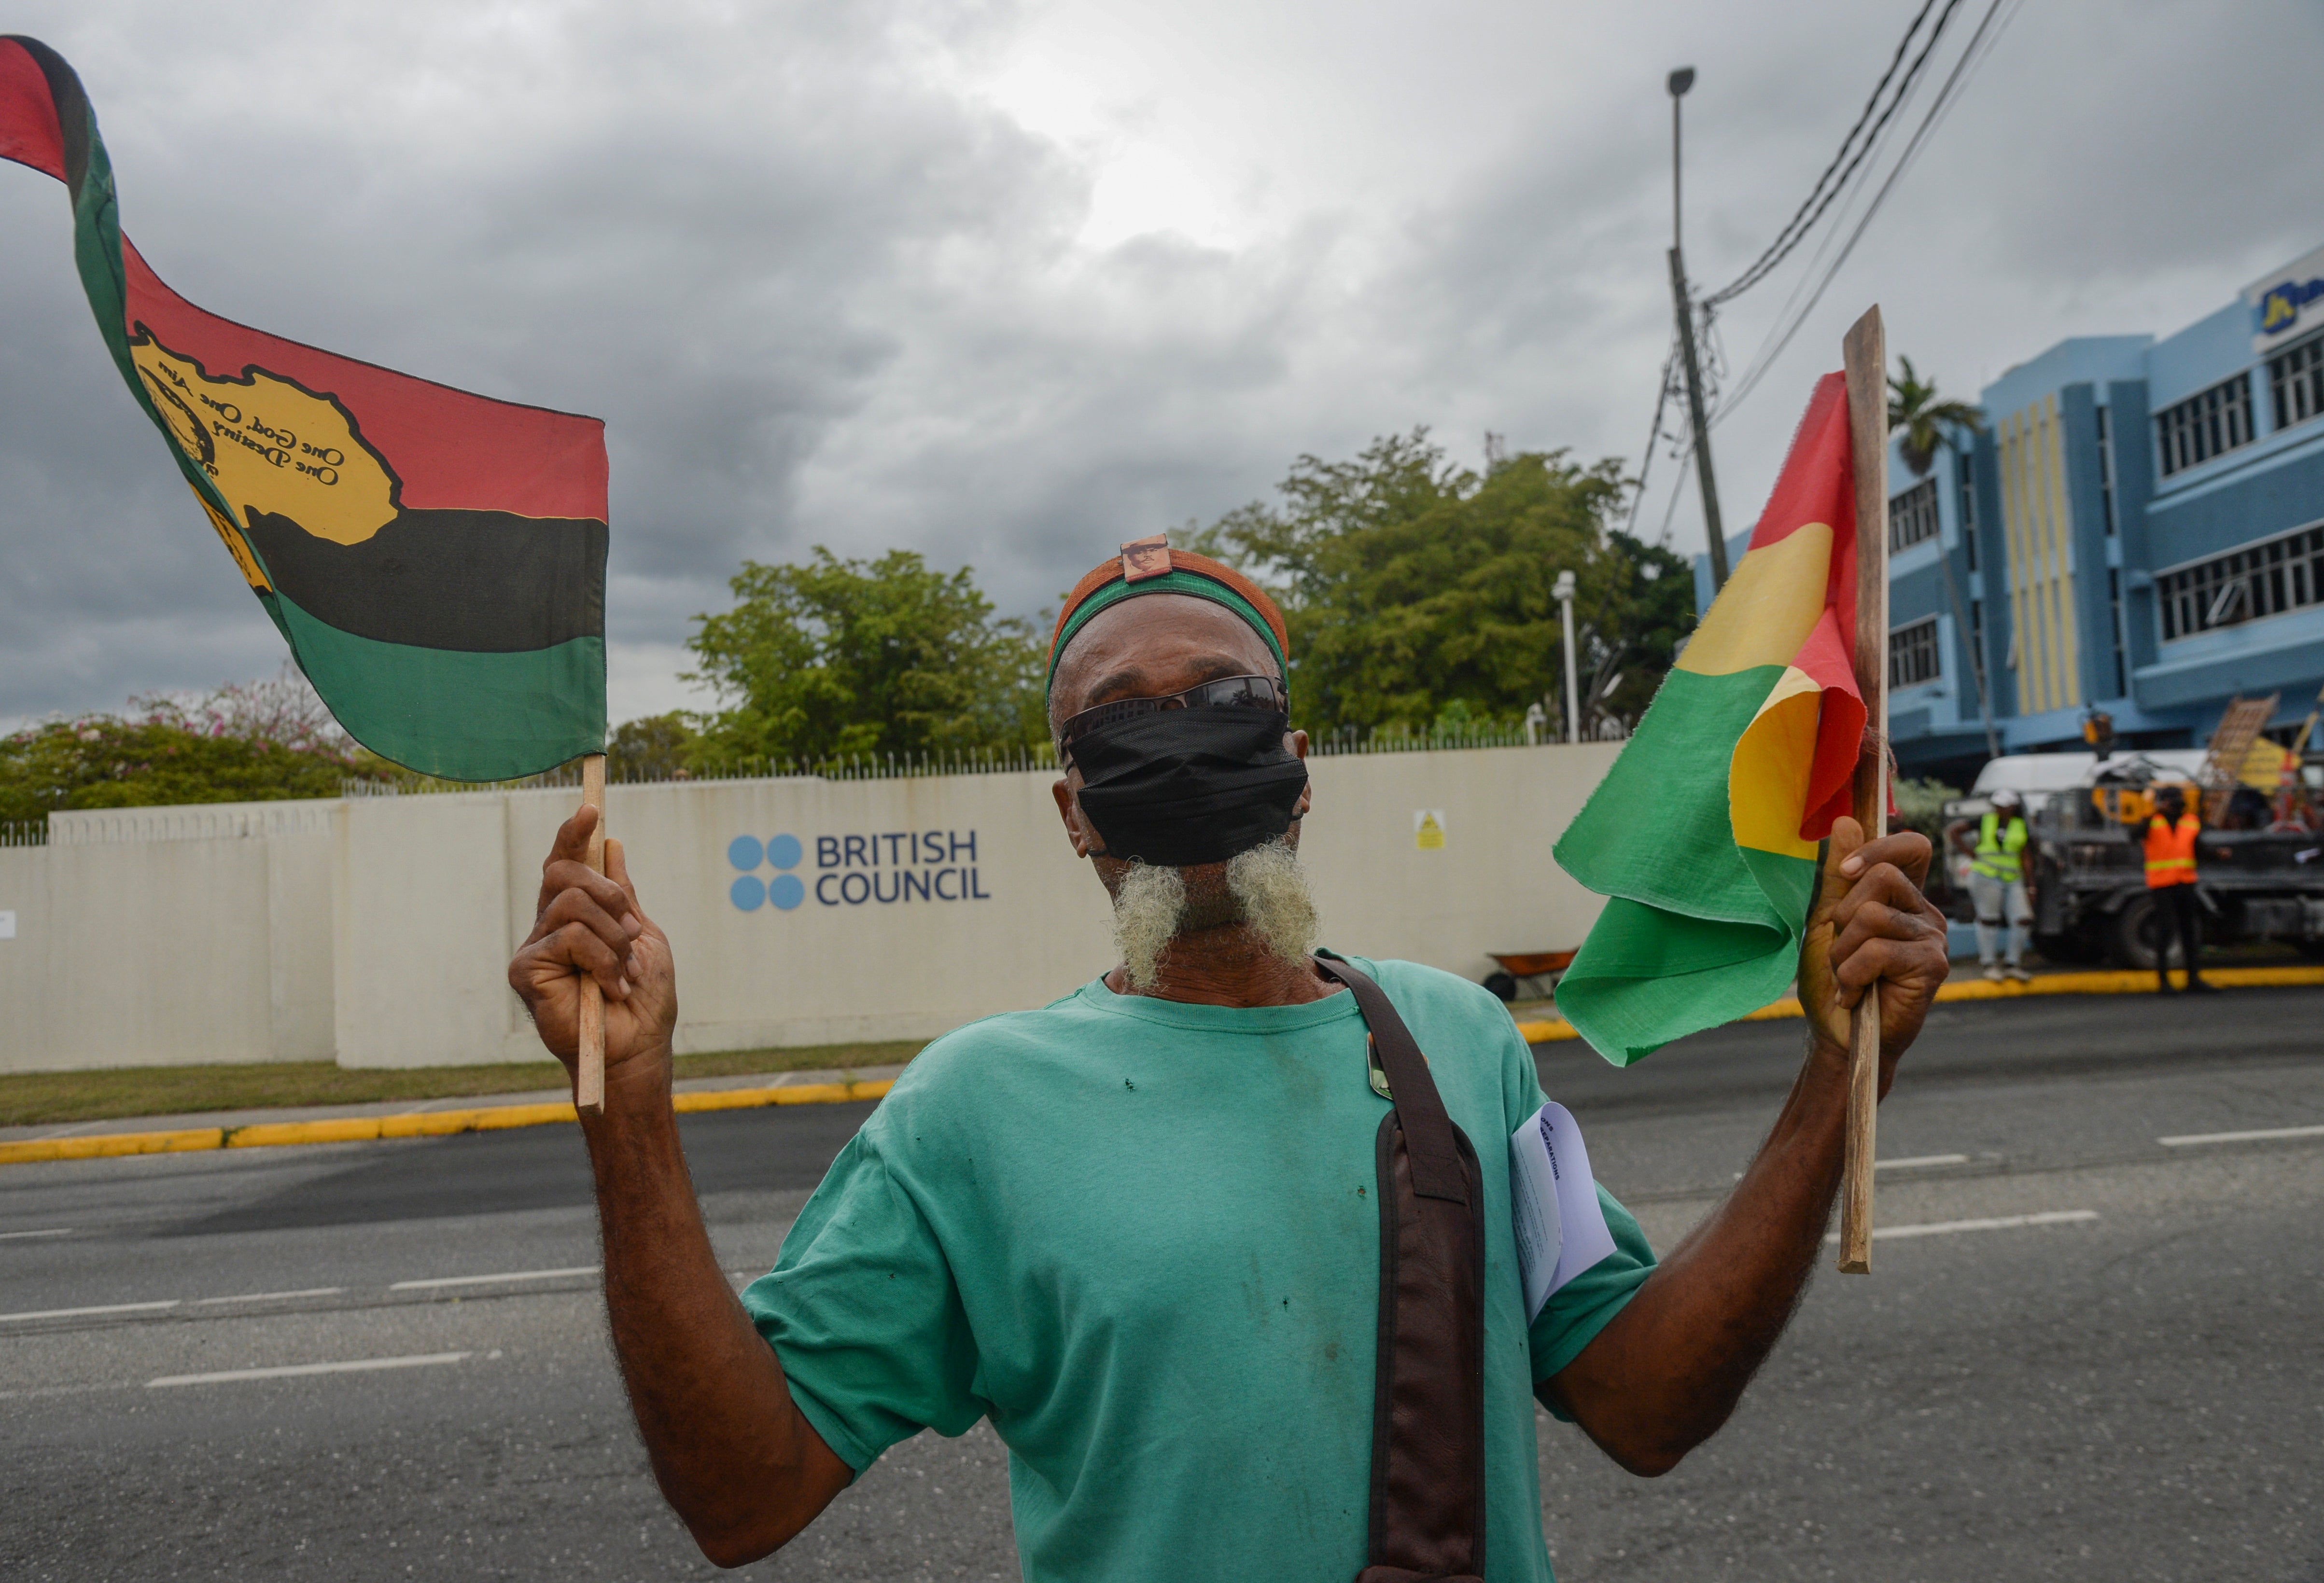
column 161, row 936
column 379, row 929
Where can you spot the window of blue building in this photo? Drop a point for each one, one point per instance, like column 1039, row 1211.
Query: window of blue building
column 1913, row 516
column 1968, row 510
column 1912, row 653
column 2295, row 377
column 2206, row 424
column 2268, row 578
column 2113, row 618
column 2106, row 468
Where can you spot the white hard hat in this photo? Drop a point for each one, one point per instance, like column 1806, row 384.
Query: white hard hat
column 2006, row 799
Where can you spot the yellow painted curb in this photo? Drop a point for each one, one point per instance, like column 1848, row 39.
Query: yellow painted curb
column 804, row 1093
column 2124, row 982
column 2128, row 982
column 100, row 1145
column 347, row 1130
column 417, row 1123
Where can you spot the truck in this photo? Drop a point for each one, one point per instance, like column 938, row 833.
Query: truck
column 2261, row 855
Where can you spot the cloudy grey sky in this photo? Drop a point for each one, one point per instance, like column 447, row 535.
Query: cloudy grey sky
column 1010, row 283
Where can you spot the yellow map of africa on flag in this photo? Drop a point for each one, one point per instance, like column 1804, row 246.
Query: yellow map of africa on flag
column 271, row 446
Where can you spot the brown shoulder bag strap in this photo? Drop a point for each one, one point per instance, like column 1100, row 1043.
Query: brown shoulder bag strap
column 1428, row 1394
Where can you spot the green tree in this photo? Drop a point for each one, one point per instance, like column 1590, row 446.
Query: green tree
column 1419, row 593
column 249, row 742
column 1915, row 408
column 654, row 748
column 844, row 657
column 1920, row 805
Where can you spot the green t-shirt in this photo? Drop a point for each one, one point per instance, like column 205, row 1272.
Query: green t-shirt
column 1142, row 1236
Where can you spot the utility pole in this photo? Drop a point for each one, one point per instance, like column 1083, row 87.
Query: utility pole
column 1680, row 82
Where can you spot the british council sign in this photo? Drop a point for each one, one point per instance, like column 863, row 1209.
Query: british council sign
column 882, row 869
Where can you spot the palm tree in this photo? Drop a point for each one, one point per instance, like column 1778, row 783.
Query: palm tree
column 1914, row 407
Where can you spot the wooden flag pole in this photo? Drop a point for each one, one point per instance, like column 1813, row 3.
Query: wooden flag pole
column 589, row 1079
column 1866, row 348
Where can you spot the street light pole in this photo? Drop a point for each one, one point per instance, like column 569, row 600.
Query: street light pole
column 1680, row 82
column 1563, row 593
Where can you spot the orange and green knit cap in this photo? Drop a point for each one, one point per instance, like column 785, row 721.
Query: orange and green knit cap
column 1139, row 569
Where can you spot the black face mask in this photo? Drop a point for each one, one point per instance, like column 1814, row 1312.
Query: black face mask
column 1184, row 787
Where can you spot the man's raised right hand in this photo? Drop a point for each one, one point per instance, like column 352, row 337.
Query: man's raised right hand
column 591, row 923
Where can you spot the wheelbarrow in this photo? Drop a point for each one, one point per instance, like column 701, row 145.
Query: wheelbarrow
column 1539, row 970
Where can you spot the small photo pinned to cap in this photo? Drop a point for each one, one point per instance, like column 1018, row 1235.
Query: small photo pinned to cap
column 1145, row 557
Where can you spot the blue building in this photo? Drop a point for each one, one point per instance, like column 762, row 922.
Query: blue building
column 2137, row 529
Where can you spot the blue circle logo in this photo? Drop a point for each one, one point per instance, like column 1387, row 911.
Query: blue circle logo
column 748, row 892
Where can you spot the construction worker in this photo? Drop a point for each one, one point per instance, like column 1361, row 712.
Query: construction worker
column 1997, row 881
column 2170, row 881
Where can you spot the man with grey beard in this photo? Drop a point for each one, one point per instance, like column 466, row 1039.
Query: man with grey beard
column 1267, row 890
column 1135, row 1229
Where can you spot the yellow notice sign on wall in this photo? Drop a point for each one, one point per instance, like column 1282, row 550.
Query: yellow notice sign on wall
column 1428, row 829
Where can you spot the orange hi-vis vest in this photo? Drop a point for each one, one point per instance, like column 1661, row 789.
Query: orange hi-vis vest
column 2171, row 851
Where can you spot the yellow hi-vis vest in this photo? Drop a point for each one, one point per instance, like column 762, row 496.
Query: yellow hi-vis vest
column 1998, row 849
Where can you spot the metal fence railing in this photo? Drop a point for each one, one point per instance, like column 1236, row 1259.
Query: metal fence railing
column 842, row 766
column 911, row 766
column 23, row 833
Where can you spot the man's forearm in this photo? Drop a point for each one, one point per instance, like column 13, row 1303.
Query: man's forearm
column 1668, row 1371
column 730, row 1451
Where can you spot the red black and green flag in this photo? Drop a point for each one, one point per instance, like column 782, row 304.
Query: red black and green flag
column 436, row 560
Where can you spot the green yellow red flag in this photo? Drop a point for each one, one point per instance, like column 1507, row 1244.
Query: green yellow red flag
column 1703, row 835
column 435, row 559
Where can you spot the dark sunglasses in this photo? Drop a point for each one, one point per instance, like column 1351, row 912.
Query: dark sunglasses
column 1226, row 693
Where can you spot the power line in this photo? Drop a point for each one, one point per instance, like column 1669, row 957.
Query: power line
column 1678, row 494
column 1802, row 220
column 1818, row 200
column 1653, row 437
column 1973, row 55
column 1847, row 197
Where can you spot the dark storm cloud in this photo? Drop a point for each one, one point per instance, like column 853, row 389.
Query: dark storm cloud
column 823, row 290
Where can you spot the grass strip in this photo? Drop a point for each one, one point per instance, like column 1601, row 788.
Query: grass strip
column 35, row 1098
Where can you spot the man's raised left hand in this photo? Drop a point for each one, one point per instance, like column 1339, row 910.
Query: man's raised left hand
column 1870, row 921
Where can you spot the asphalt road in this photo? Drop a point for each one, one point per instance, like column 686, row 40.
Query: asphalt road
column 2133, row 1388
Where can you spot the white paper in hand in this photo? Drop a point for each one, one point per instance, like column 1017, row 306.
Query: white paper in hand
column 1553, row 1198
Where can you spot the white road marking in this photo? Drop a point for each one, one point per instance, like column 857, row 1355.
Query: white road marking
column 273, row 1296
column 290, row 1371
column 1997, row 1223
column 37, row 1392
column 1918, row 1161
column 52, row 1232
column 442, row 1281
column 41, row 1313
column 2260, row 1136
